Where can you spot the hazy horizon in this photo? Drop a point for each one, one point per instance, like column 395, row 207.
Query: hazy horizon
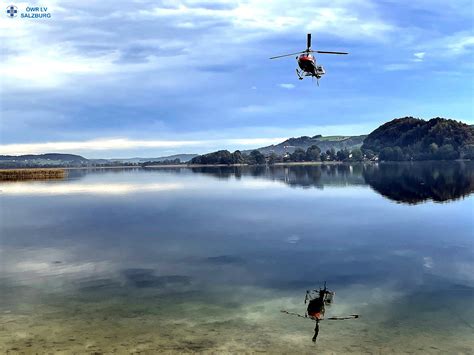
column 173, row 147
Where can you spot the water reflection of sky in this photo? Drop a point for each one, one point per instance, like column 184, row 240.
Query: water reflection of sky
column 231, row 217
column 183, row 230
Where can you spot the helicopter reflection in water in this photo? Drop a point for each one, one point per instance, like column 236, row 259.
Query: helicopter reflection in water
column 317, row 301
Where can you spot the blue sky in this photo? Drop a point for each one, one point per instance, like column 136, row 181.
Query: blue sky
column 151, row 78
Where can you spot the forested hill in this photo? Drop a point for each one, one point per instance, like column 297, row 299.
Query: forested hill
column 411, row 138
column 401, row 139
column 49, row 159
column 47, row 156
column 304, row 142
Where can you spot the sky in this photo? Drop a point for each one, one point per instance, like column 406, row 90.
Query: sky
column 153, row 78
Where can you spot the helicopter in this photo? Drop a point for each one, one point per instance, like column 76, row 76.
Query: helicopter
column 307, row 61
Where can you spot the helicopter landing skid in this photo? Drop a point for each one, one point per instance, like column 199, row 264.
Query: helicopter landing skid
column 298, row 73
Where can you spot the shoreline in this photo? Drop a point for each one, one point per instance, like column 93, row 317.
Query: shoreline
column 156, row 166
column 245, row 165
column 174, row 166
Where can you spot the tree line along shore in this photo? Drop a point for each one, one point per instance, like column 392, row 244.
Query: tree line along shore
column 402, row 139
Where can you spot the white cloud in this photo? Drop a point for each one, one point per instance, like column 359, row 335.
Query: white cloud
column 419, row 56
column 428, row 262
column 450, row 45
column 98, row 144
column 397, row 66
column 253, row 141
column 70, row 49
column 51, row 66
column 341, row 18
column 461, row 44
column 252, row 109
column 122, row 144
column 293, row 239
column 287, row 86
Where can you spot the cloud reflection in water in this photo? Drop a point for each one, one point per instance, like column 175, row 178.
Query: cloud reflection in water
column 89, row 188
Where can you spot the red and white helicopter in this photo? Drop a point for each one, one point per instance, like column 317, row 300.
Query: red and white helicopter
column 307, row 61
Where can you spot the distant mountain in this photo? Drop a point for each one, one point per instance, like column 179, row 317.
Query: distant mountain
column 47, row 156
column 304, row 142
column 410, row 138
column 72, row 160
column 49, row 159
column 182, row 157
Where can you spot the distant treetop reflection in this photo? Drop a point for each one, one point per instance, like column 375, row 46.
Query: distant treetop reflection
column 413, row 183
column 410, row 183
column 305, row 176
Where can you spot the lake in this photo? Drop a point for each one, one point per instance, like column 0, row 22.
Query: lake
column 204, row 259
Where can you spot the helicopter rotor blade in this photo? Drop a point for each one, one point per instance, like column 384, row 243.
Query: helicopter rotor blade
column 328, row 52
column 308, row 41
column 286, row 55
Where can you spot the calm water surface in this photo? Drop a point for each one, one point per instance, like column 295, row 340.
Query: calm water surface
column 185, row 260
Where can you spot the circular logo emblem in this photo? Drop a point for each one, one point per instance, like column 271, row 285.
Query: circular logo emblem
column 12, row 11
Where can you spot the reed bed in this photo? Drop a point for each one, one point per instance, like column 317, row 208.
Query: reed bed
column 31, row 174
